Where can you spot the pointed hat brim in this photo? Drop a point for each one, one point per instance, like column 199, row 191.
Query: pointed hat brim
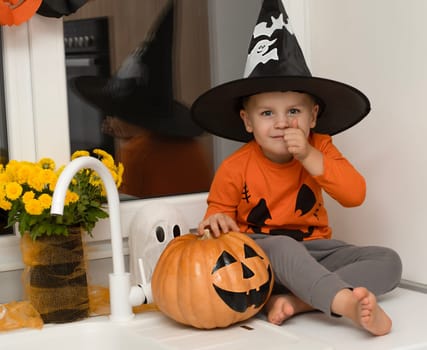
column 217, row 110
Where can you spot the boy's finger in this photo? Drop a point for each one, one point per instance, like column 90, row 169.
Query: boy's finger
column 294, row 123
column 201, row 229
column 235, row 227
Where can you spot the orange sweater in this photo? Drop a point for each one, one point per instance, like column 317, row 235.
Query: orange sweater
column 266, row 197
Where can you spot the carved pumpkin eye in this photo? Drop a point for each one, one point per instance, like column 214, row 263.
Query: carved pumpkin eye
column 224, row 260
column 250, row 253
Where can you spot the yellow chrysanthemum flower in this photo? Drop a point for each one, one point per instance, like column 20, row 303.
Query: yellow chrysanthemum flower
column 109, row 163
column 102, row 154
column 78, row 154
column 34, row 207
column 45, row 200
column 29, row 195
column 46, row 163
column 5, row 204
column 13, row 190
column 71, row 197
column 4, row 177
column 35, row 179
column 23, row 173
column 11, row 168
column 46, row 177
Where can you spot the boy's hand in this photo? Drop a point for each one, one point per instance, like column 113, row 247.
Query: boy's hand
column 296, row 141
column 218, row 223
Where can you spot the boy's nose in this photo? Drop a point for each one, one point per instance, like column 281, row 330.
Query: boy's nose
column 282, row 121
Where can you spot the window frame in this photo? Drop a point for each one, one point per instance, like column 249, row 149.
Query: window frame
column 35, row 97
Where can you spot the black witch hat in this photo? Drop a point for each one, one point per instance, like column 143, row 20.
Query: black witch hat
column 276, row 63
column 141, row 92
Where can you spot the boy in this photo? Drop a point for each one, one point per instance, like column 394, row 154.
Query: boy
column 271, row 188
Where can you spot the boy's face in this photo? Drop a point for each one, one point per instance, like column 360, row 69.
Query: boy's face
column 268, row 114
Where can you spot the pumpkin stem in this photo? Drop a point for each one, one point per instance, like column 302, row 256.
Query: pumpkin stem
column 206, row 234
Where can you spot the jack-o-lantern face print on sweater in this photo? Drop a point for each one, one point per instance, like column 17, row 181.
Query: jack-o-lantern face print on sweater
column 305, row 202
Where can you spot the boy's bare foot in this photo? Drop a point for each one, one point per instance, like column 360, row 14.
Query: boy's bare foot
column 361, row 306
column 371, row 316
column 280, row 307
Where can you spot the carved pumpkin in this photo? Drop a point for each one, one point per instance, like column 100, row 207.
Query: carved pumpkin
column 17, row 11
column 211, row 282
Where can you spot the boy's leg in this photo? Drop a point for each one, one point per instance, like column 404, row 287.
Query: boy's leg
column 378, row 269
column 298, row 271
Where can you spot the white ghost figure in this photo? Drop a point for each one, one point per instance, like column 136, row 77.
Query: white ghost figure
column 152, row 228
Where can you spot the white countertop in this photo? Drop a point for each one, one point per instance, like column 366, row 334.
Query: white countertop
column 407, row 308
column 310, row 331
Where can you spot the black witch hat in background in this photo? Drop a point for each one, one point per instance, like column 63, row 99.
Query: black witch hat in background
column 141, row 92
column 59, row 8
column 276, row 63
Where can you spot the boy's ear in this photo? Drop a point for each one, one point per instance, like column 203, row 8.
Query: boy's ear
column 314, row 114
column 246, row 120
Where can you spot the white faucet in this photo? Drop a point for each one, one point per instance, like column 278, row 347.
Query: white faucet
column 121, row 298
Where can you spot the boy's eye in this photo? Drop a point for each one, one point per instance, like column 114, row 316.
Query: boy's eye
column 293, row 111
column 267, row 113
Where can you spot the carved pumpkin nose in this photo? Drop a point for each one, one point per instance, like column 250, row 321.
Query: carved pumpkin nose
column 247, row 272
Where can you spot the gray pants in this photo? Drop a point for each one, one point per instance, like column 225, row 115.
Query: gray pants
column 316, row 270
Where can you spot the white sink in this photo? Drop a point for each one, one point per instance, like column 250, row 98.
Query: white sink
column 151, row 331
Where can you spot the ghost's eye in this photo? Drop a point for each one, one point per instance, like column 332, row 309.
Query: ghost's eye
column 176, row 231
column 160, row 233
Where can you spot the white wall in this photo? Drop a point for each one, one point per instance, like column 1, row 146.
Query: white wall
column 379, row 46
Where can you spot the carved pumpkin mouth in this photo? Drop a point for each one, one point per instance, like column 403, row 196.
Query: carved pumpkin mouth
column 241, row 301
